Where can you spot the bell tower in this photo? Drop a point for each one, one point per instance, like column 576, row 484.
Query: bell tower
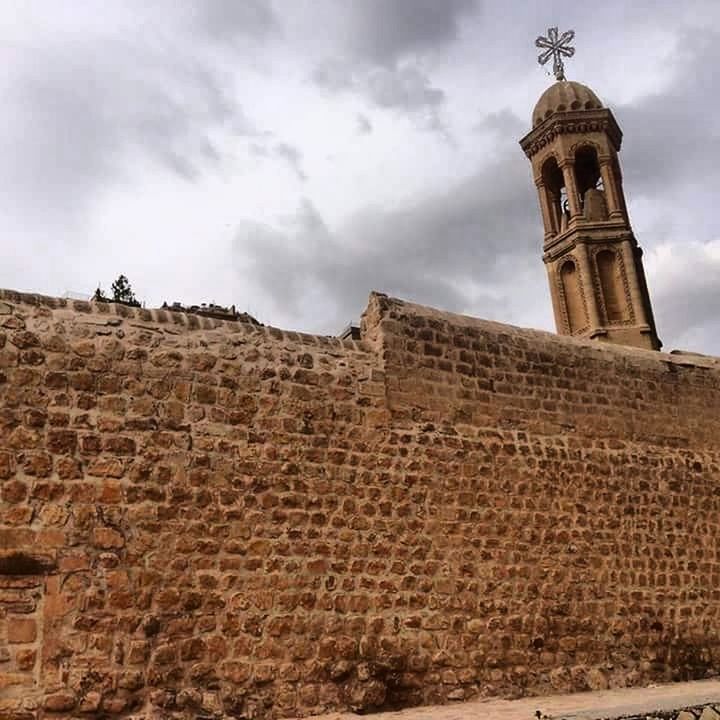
column 594, row 263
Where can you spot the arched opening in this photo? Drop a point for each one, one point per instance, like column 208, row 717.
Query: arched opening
column 573, row 297
column 587, row 169
column 590, row 184
column 612, row 286
column 556, row 195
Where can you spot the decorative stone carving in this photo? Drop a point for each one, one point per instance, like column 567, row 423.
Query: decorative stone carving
column 572, row 297
column 600, row 295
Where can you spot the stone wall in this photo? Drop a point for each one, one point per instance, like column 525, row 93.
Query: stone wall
column 203, row 518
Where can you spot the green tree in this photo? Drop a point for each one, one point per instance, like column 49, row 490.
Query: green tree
column 122, row 291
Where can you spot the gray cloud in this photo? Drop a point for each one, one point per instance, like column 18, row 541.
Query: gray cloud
column 364, row 126
column 80, row 112
column 502, row 125
column 668, row 134
column 688, row 298
column 405, row 88
column 384, row 40
column 292, row 156
column 230, row 20
column 334, row 75
column 453, row 249
column 382, row 32
column 265, row 146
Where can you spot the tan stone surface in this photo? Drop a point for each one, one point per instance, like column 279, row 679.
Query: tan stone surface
column 609, row 704
column 206, row 517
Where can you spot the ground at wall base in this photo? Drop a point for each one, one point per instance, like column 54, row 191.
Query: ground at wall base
column 698, row 700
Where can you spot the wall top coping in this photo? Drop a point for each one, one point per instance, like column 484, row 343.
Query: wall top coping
column 398, row 309
column 172, row 320
column 380, row 305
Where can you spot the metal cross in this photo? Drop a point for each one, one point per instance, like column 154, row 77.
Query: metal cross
column 556, row 48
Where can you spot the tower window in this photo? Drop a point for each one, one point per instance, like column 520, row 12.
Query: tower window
column 556, row 194
column 587, row 170
column 591, row 190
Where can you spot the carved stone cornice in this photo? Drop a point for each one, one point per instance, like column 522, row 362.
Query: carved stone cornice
column 573, row 122
column 591, row 232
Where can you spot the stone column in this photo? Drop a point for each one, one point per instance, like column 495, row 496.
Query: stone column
column 636, row 297
column 557, row 313
column 546, row 210
column 568, row 171
column 611, row 188
column 554, row 202
column 586, row 275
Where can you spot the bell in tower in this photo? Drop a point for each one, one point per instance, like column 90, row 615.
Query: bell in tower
column 594, row 263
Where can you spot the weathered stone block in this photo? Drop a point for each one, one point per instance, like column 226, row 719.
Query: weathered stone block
column 60, row 701
column 7, row 464
column 90, row 703
column 25, row 339
column 13, row 491
column 19, row 562
column 25, row 659
column 107, row 538
column 21, row 629
column 61, row 441
column 11, row 680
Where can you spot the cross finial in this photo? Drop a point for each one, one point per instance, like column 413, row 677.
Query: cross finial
column 556, row 47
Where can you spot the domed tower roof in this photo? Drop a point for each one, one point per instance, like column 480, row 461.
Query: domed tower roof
column 564, row 96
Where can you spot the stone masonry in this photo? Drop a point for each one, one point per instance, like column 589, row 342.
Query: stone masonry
column 202, row 518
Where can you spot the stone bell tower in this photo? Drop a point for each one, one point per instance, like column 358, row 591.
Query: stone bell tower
column 594, row 264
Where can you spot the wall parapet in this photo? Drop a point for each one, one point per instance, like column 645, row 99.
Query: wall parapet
column 168, row 317
column 466, row 372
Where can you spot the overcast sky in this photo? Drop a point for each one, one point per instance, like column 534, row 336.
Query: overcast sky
column 289, row 156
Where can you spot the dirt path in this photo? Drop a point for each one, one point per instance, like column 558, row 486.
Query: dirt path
column 579, row 706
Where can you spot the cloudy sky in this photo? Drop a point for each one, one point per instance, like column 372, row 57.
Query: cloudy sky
column 289, row 156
